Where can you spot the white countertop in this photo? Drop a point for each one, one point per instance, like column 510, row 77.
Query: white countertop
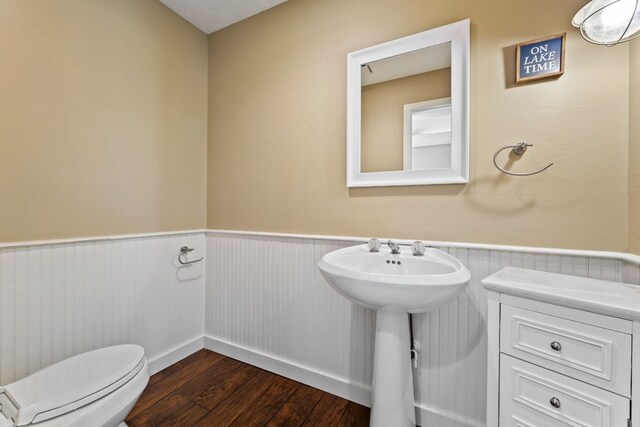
column 598, row 296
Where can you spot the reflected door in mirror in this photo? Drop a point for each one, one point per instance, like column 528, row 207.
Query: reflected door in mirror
column 427, row 135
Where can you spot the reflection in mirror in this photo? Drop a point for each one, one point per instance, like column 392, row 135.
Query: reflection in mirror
column 406, row 111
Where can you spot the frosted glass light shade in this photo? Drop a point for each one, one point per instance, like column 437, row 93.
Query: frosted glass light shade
column 608, row 22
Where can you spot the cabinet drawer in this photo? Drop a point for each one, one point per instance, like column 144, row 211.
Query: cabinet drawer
column 536, row 397
column 599, row 356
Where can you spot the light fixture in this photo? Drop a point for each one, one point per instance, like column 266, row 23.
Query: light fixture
column 609, row 22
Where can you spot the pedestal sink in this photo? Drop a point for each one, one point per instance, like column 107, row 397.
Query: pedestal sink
column 394, row 285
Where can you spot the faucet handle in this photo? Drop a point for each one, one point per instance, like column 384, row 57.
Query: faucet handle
column 418, row 248
column 374, row 245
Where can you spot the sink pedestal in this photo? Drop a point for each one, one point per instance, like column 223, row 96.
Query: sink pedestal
column 392, row 403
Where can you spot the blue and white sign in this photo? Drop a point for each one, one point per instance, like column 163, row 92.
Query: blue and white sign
column 539, row 59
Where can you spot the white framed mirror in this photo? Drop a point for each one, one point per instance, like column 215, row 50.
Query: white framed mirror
column 408, row 110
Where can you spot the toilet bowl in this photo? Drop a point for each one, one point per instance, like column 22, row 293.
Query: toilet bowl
column 97, row 388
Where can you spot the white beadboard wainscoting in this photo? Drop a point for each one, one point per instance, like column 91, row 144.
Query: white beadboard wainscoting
column 61, row 298
column 267, row 304
column 260, row 298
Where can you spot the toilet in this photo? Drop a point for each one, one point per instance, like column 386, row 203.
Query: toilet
column 97, row 388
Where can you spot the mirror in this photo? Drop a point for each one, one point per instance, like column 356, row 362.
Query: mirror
column 407, row 117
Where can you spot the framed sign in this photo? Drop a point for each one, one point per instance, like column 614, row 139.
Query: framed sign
column 540, row 58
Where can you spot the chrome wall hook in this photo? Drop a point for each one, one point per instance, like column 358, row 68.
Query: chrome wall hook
column 519, row 150
column 185, row 250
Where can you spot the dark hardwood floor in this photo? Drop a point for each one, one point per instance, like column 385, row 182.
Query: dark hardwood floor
column 208, row 389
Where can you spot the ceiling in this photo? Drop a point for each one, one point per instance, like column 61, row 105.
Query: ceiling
column 212, row 15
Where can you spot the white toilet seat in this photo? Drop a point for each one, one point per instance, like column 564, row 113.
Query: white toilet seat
column 97, row 388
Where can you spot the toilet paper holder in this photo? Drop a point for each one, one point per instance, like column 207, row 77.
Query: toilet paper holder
column 184, row 250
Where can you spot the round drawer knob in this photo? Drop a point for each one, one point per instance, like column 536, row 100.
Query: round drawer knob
column 555, row 402
column 555, row 346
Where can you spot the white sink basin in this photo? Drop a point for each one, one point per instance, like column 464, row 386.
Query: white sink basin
column 402, row 282
column 394, row 285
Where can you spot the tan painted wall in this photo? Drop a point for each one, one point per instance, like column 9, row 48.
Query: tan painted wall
column 383, row 116
column 634, row 146
column 102, row 119
column 277, row 128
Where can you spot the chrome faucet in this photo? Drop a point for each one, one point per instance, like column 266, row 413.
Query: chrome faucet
column 395, row 248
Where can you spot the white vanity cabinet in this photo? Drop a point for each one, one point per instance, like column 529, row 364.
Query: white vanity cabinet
column 562, row 351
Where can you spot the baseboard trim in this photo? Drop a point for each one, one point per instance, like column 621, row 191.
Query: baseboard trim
column 431, row 417
column 338, row 386
column 174, row 355
column 323, row 381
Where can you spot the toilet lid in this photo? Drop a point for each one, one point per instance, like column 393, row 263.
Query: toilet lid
column 71, row 383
